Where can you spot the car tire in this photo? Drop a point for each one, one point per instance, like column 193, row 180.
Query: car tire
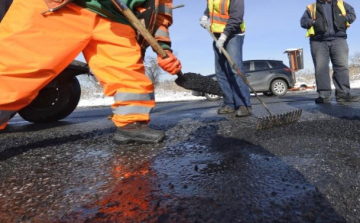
column 279, row 87
column 212, row 97
column 54, row 102
column 268, row 93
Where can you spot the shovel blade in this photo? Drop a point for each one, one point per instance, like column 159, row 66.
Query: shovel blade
column 197, row 82
column 278, row 120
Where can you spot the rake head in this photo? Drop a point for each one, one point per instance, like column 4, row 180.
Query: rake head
column 278, row 120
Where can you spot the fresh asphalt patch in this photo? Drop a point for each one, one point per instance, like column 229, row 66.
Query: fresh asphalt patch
column 211, row 168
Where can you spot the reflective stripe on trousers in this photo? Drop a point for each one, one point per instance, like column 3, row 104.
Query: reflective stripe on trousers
column 36, row 48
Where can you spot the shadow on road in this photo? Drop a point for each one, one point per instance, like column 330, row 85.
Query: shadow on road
column 211, row 179
column 13, row 151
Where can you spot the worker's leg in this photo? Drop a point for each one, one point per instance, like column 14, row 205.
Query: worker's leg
column 241, row 91
column 36, row 48
column 224, row 81
column 321, row 57
column 339, row 54
column 120, row 70
column 115, row 58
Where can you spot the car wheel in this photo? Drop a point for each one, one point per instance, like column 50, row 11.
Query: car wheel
column 54, row 102
column 268, row 93
column 279, row 87
column 212, row 97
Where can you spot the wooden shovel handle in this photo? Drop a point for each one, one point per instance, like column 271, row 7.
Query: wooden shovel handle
column 140, row 27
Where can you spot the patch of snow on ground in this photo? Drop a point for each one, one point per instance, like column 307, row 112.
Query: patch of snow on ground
column 160, row 96
column 169, row 96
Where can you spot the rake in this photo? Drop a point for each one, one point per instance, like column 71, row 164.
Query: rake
column 190, row 81
column 272, row 120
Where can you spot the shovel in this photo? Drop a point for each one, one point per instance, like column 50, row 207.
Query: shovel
column 271, row 120
column 190, row 81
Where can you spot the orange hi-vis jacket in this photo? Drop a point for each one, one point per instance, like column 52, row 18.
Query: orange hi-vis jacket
column 155, row 14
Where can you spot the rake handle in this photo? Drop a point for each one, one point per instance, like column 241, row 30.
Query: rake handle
column 142, row 29
column 238, row 71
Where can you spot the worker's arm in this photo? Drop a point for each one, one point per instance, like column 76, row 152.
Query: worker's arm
column 204, row 19
column 171, row 64
column 350, row 13
column 236, row 11
column 206, row 12
column 163, row 22
column 306, row 20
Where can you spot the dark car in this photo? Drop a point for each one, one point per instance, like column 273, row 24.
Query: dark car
column 270, row 77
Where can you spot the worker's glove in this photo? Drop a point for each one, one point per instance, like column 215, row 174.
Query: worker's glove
column 171, row 64
column 204, row 21
column 220, row 42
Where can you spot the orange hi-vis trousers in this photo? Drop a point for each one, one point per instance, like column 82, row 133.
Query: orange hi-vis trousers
column 35, row 48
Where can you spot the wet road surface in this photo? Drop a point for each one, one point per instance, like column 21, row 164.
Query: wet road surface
column 211, row 168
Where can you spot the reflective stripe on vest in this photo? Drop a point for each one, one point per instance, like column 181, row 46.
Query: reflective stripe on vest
column 312, row 8
column 341, row 6
column 165, row 10
column 219, row 15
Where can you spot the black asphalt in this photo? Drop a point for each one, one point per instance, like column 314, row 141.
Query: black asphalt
column 210, row 168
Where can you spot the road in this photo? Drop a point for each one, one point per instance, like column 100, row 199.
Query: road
column 211, row 168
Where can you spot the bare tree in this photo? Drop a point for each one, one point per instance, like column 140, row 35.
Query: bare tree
column 152, row 69
column 355, row 60
column 355, row 66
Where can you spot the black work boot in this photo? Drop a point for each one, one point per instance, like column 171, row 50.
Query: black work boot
column 321, row 100
column 225, row 110
column 347, row 98
column 243, row 111
column 138, row 132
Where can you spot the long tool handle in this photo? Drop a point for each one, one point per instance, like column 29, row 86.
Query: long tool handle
column 141, row 28
column 238, row 71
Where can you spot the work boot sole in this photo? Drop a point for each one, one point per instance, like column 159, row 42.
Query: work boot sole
column 121, row 140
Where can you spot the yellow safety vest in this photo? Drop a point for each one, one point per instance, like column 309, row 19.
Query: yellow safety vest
column 219, row 15
column 312, row 8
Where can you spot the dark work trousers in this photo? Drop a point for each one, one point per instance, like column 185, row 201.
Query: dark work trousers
column 236, row 92
column 336, row 51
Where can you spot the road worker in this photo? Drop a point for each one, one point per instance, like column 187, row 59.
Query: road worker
column 226, row 20
column 38, row 39
column 327, row 22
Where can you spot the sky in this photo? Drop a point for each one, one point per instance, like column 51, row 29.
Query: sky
column 272, row 27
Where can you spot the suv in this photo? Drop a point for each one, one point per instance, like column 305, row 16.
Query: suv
column 270, row 77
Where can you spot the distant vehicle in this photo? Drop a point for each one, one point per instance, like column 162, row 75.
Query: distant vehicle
column 270, row 77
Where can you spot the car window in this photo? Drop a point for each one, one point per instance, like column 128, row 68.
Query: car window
column 247, row 66
column 276, row 64
column 261, row 65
